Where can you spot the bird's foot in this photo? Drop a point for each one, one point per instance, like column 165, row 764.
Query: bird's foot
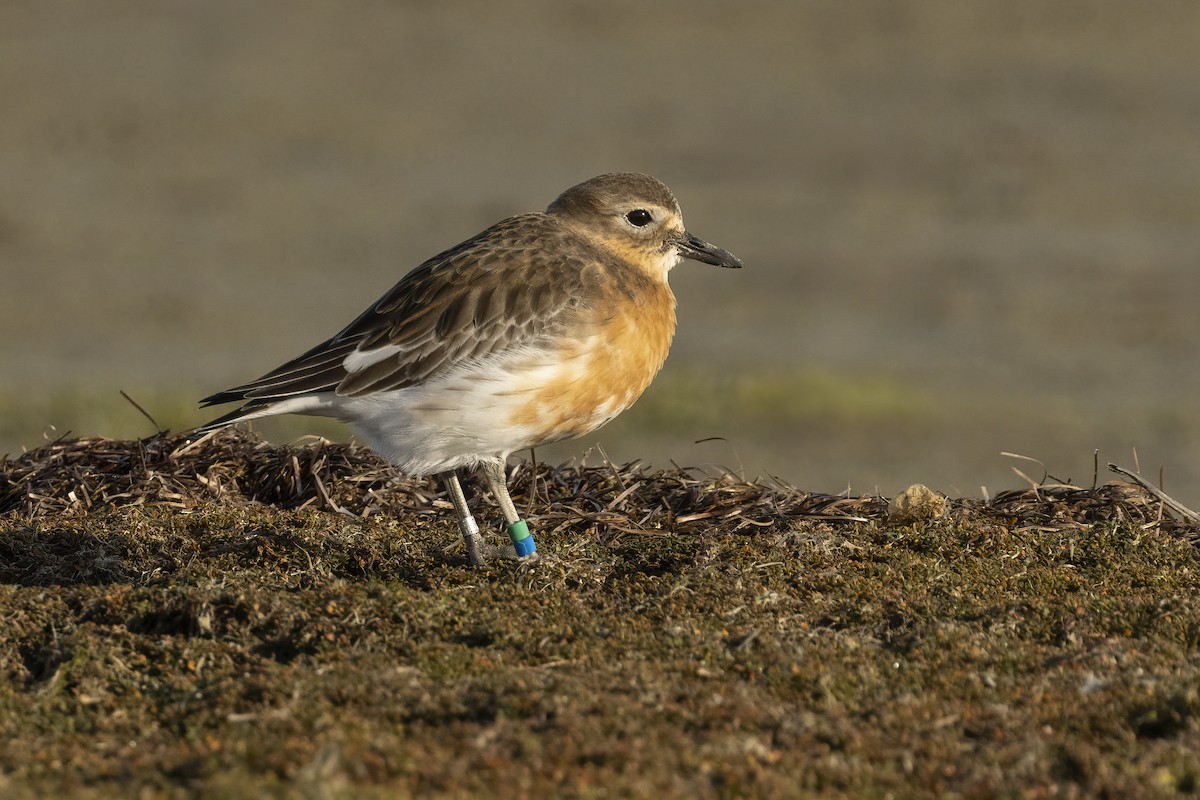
column 506, row 552
column 477, row 551
column 521, row 549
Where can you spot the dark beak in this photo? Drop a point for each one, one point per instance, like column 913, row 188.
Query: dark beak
column 697, row 249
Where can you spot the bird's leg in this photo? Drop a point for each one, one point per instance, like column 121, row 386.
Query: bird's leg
column 518, row 529
column 466, row 522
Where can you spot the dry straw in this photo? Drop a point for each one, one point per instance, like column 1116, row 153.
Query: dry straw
column 231, row 467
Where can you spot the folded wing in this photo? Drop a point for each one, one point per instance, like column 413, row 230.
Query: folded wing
column 495, row 293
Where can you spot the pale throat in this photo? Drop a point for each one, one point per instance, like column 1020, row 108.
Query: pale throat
column 655, row 263
column 659, row 264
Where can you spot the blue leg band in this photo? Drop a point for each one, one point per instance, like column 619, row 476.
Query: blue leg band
column 521, row 538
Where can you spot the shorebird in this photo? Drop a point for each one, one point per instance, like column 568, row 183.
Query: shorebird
column 541, row 328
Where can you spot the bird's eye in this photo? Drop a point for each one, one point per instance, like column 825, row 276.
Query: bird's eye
column 639, row 217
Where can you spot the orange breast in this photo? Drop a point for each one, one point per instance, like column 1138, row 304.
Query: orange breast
column 614, row 367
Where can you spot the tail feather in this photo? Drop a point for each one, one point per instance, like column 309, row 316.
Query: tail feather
column 240, row 414
column 317, row 404
column 220, row 398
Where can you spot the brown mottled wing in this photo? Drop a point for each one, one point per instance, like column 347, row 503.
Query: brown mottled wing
column 512, row 286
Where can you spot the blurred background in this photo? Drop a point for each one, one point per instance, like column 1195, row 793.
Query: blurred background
column 968, row 227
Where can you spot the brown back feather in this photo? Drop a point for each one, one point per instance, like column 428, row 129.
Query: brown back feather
column 514, row 285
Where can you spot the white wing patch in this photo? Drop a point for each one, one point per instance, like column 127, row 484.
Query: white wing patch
column 359, row 360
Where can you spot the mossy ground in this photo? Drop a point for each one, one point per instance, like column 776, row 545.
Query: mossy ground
column 230, row 649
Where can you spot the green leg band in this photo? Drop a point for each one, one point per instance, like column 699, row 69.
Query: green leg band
column 521, row 538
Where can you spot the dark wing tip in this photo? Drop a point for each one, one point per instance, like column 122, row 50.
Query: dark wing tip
column 226, row 420
column 227, row 396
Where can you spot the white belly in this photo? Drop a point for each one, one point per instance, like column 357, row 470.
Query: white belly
column 458, row 420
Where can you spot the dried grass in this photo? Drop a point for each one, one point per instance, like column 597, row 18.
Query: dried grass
column 232, row 467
